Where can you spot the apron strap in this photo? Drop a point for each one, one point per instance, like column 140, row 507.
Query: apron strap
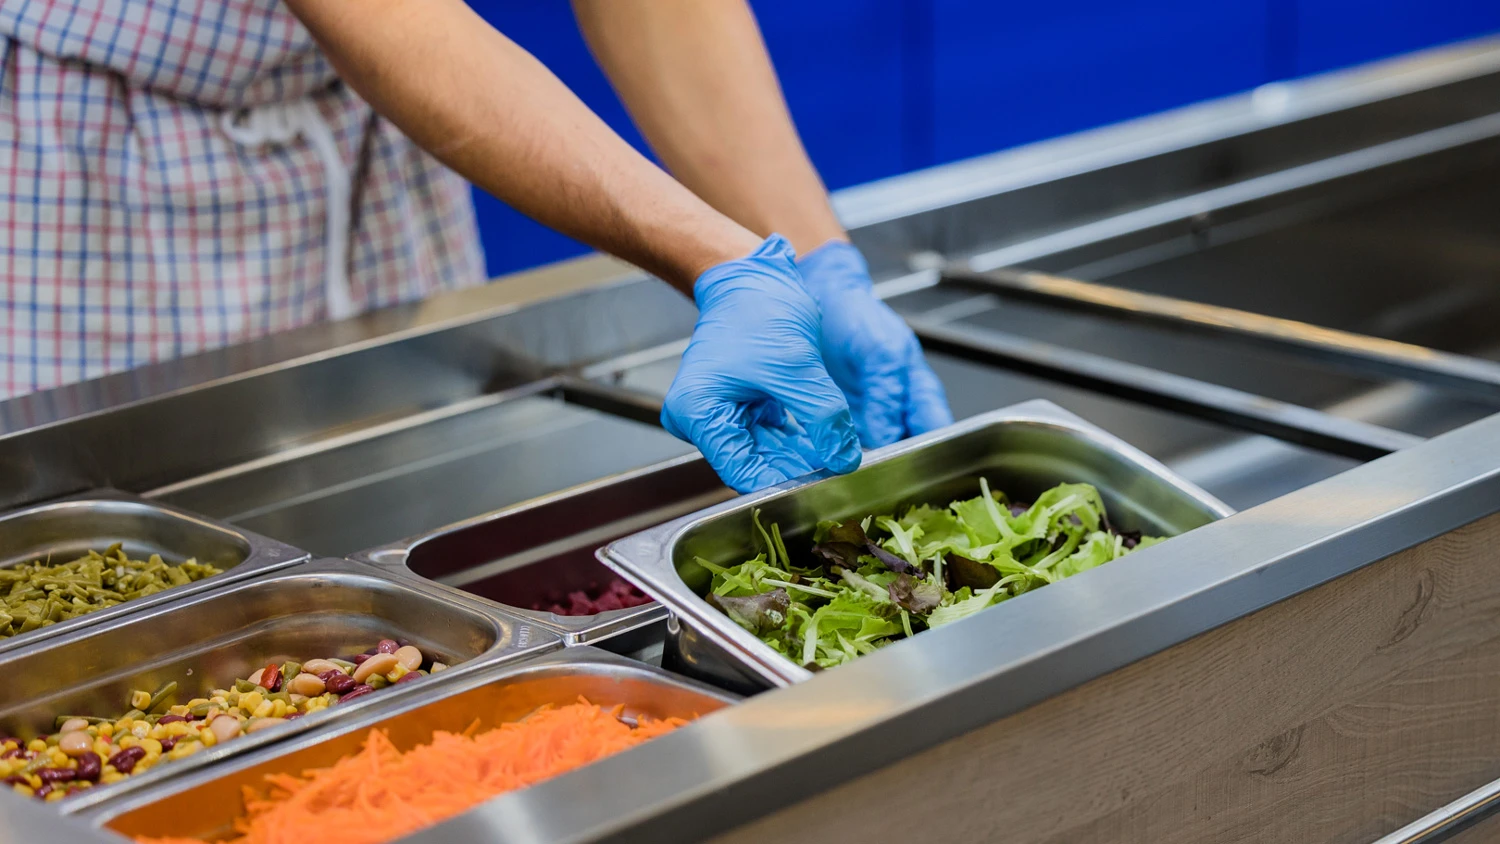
column 282, row 123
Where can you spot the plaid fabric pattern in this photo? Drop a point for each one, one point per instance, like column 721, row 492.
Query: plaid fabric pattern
column 134, row 228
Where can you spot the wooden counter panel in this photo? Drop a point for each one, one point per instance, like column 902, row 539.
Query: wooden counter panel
column 1336, row 715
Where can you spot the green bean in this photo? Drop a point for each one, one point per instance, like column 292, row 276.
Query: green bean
column 36, row 594
column 162, row 696
column 63, row 719
column 244, row 686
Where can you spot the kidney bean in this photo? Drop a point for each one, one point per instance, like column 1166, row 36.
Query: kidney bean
column 45, row 790
column 90, row 766
column 358, row 691
column 340, row 683
column 270, row 678
column 172, row 719
column 12, row 753
column 125, row 760
column 378, row 664
column 56, row 774
column 408, row 677
column 169, row 742
column 387, row 646
column 359, row 659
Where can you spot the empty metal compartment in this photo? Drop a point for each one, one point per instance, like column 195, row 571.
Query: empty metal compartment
column 318, row 609
column 207, row 803
column 67, row 529
column 1021, row 450
column 532, row 555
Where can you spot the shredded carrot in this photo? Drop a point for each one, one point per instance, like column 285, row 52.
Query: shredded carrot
column 381, row 793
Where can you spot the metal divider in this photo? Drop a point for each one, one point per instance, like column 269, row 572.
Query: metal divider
column 1345, row 350
column 1225, row 405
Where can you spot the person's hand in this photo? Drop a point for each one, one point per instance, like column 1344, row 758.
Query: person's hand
column 752, row 360
column 870, row 352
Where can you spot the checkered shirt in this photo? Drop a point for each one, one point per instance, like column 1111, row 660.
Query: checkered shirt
column 136, row 226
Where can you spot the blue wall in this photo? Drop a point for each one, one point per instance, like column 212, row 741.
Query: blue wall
column 880, row 87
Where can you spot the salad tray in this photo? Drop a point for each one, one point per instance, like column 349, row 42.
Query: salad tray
column 318, row 608
column 71, row 527
column 1022, row 450
column 533, row 554
column 205, row 803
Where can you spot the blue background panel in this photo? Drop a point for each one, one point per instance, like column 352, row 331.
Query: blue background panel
column 881, row 87
column 1011, row 73
column 1338, row 33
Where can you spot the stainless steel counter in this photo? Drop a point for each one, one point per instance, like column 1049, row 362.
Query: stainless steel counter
column 1288, row 297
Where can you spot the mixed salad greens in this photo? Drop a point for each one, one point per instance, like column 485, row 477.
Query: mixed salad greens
column 867, row 583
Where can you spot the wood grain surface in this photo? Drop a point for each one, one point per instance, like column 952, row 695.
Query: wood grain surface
column 1337, row 715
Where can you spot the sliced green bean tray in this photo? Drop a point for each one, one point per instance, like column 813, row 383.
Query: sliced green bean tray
column 38, row 594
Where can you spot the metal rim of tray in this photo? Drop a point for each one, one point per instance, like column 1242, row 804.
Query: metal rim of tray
column 515, row 642
column 578, row 660
column 265, row 555
column 645, row 559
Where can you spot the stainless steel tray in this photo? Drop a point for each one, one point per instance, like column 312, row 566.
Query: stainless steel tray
column 70, row 527
column 1023, row 450
column 544, row 548
column 319, row 608
column 205, row 803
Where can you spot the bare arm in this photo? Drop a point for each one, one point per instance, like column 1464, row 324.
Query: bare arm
column 697, row 80
column 493, row 113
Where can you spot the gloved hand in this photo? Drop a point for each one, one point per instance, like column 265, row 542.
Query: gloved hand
column 870, row 352
column 754, row 357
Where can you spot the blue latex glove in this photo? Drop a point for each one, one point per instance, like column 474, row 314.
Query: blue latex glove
column 870, row 352
column 754, row 357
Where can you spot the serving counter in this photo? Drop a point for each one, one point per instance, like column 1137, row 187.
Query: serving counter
column 1267, row 324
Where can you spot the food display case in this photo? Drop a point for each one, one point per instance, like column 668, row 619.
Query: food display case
column 1263, row 327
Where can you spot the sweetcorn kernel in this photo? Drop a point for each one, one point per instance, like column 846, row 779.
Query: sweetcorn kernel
column 263, row 709
column 249, row 702
column 54, row 796
column 127, row 740
column 106, row 729
column 36, row 745
column 187, row 748
column 151, row 745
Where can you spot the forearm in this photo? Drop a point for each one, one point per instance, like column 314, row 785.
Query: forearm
column 493, row 113
column 697, row 80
